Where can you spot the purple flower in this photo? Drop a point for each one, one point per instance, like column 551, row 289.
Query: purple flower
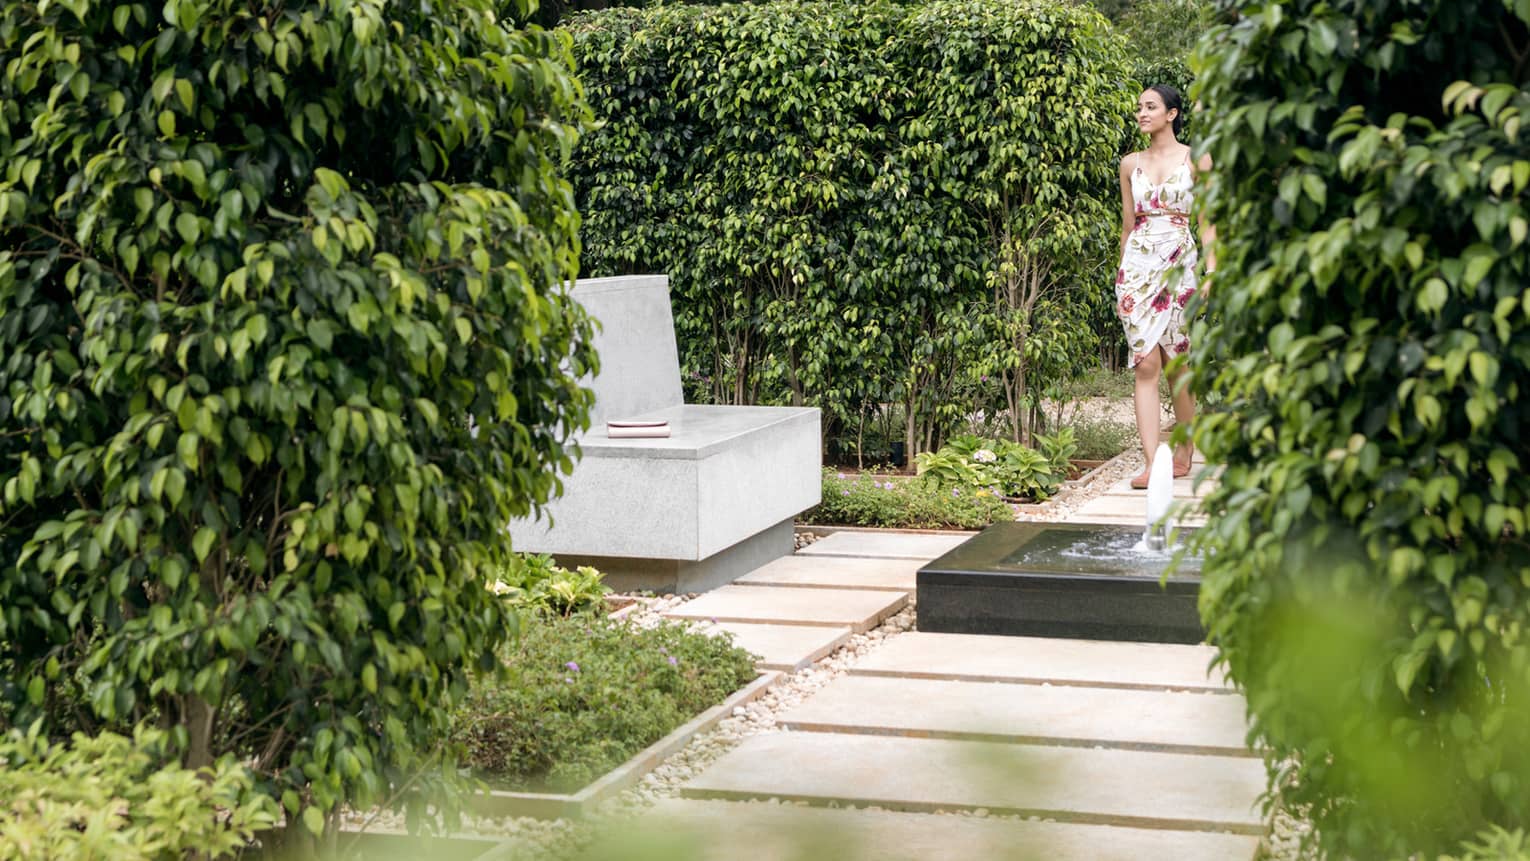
column 841, row 475
column 567, row 679
column 673, row 661
column 844, row 493
column 573, row 667
column 888, row 485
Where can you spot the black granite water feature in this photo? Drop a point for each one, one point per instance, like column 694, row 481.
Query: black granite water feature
column 1089, row 581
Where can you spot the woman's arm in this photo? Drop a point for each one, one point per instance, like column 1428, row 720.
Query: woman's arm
column 1208, row 230
column 1128, row 205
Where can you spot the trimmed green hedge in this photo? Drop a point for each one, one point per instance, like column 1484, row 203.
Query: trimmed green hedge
column 1367, row 573
column 861, row 203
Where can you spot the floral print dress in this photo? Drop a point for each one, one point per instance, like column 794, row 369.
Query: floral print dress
column 1157, row 274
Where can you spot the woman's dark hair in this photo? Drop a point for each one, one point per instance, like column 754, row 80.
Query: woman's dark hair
column 1172, row 101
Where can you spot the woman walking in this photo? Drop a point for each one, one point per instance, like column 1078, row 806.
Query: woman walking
column 1158, row 259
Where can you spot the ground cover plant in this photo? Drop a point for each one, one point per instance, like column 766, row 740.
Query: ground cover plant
column 873, row 499
column 582, row 694
column 535, row 583
column 1367, row 571
column 1002, row 467
column 283, row 346
column 785, row 164
column 1102, row 439
column 114, row 797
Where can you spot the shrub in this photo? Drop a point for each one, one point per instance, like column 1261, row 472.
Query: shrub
column 1103, row 439
column 1163, row 31
column 1367, row 573
column 110, row 796
column 856, row 203
column 535, row 583
column 284, row 347
column 1003, row 467
column 869, row 499
column 584, row 694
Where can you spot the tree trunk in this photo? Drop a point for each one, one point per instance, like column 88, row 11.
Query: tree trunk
column 198, row 716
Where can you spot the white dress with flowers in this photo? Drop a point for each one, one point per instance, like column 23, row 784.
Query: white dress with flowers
column 1157, row 274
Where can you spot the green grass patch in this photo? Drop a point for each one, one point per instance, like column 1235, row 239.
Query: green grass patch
column 580, row 695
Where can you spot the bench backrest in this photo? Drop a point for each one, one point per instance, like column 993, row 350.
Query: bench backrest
column 639, row 363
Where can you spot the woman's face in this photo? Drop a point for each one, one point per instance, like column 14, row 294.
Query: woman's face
column 1151, row 114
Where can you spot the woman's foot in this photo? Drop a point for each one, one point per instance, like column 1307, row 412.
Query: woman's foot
column 1140, row 482
column 1182, row 462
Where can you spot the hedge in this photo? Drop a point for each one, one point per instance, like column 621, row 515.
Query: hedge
column 861, row 203
column 1367, row 577
column 283, row 347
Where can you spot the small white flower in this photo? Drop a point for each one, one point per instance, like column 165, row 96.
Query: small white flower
column 983, row 455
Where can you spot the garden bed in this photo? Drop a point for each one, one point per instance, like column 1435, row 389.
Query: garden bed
column 587, row 703
column 573, row 805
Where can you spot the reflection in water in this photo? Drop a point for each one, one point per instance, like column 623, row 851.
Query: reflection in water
column 1100, row 550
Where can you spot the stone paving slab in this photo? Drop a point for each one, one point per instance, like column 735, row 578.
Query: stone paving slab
column 857, row 609
column 1045, row 714
column 785, row 647
column 1087, row 663
column 1183, row 488
column 884, row 545
column 1138, row 789
column 1129, row 506
column 759, row 831
column 836, row 572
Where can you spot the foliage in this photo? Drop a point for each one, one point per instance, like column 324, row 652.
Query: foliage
column 110, row 796
column 1102, row 439
column 1495, row 844
column 583, row 694
column 284, row 347
column 535, row 583
column 1002, row 467
column 1163, row 31
column 1372, row 343
column 856, row 203
column 869, row 499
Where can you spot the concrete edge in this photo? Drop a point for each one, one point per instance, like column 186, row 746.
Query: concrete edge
column 850, row 587
column 862, row 627
column 1018, row 738
column 812, row 657
column 1246, row 827
column 877, row 530
column 498, row 802
column 1209, row 687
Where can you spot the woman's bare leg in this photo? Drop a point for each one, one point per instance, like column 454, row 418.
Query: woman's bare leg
column 1145, row 399
column 1184, row 414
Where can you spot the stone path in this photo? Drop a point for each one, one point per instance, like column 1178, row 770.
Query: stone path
column 1121, row 503
column 955, row 746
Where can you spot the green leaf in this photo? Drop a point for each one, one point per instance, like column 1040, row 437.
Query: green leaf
column 187, row 226
column 203, row 542
column 313, row 820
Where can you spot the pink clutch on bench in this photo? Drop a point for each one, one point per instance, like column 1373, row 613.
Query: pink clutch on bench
column 634, row 429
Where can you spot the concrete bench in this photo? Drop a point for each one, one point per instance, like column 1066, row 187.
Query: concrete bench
column 690, row 512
